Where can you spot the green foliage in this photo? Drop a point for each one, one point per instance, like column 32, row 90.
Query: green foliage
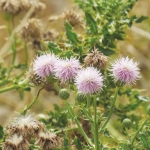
column 56, row 118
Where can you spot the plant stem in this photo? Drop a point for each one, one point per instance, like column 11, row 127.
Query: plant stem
column 9, row 88
column 88, row 105
column 31, row 104
column 111, row 109
column 137, row 132
column 71, row 112
column 65, row 130
column 26, row 54
column 15, row 86
column 96, row 142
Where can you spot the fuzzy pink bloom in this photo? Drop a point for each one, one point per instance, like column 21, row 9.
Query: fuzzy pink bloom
column 89, row 80
column 125, row 70
column 66, row 69
column 44, row 65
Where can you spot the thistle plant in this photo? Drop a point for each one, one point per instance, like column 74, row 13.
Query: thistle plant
column 95, row 84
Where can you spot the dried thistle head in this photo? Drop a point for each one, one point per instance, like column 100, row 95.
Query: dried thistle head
column 25, row 4
column 38, row 6
column 72, row 17
column 32, row 30
column 50, row 36
column 96, row 59
column 48, row 141
column 25, row 125
column 10, row 6
column 15, row 142
column 34, row 78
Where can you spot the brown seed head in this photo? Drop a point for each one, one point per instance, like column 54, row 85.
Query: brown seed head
column 25, row 125
column 96, row 59
column 15, row 142
column 25, row 4
column 72, row 18
column 34, row 78
column 32, row 30
column 10, row 6
column 50, row 36
column 48, row 141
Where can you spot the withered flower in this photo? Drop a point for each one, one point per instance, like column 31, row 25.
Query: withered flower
column 32, row 30
column 10, row 6
column 50, row 36
column 72, row 17
column 25, row 125
column 15, row 142
column 48, row 141
column 96, row 59
column 34, row 78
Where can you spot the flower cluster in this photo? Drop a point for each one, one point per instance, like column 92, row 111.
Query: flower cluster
column 88, row 80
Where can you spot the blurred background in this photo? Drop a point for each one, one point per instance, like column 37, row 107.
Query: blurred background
column 136, row 45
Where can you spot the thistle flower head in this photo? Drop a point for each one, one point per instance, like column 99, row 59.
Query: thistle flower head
column 89, row 80
column 48, row 140
column 44, row 65
column 96, row 59
column 15, row 142
column 66, row 69
column 25, row 125
column 125, row 70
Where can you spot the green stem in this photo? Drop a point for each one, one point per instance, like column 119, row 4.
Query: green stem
column 13, row 47
column 70, row 110
column 9, row 88
column 96, row 142
column 88, row 105
column 12, row 87
column 137, row 132
column 111, row 109
column 66, row 130
column 87, row 114
column 26, row 54
column 31, row 104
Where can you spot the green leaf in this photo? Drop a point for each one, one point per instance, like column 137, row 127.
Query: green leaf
column 144, row 140
column 91, row 22
column 66, row 144
column 142, row 18
column 143, row 98
column 21, row 93
column 54, row 48
column 1, row 132
column 72, row 36
column 78, row 143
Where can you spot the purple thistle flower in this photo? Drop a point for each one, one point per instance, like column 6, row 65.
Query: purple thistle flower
column 89, row 80
column 125, row 70
column 44, row 65
column 66, row 69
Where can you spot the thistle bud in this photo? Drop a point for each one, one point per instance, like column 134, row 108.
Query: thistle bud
column 127, row 123
column 64, row 94
column 80, row 97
